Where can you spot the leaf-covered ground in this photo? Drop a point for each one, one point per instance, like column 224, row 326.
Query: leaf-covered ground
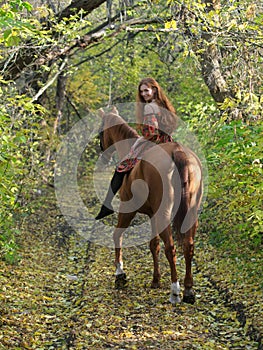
column 61, row 296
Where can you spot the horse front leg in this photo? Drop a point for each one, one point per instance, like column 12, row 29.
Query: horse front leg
column 155, row 249
column 123, row 222
column 188, row 247
column 120, row 279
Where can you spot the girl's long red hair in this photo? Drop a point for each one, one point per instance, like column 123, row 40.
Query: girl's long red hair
column 168, row 120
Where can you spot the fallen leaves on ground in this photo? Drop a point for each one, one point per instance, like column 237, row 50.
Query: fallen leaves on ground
column 44, row 307
column 61, row 296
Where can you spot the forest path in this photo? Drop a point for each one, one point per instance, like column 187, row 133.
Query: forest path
column 61, row 296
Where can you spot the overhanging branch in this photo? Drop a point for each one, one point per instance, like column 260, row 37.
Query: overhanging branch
column 50, row 82
column 26, row 56
column 96, row 37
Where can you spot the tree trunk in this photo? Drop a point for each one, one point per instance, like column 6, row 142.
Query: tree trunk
column 206, row 50
column 60, row 99
column 211, row 72
column 210, row 61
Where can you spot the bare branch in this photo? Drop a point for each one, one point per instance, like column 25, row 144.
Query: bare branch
column 86, row 5
column 27, row 56
column 50, row 82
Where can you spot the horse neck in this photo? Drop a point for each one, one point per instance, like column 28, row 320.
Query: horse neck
column 122, row 136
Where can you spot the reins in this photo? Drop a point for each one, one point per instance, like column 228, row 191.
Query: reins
column 124, row 129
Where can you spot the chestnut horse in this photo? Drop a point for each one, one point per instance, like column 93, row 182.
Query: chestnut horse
column 166, row 184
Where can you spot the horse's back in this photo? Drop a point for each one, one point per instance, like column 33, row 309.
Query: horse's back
column 157, row 169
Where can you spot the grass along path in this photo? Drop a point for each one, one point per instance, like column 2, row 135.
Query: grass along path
column 64, row 298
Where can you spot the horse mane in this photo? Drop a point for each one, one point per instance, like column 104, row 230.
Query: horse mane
column 122, row 126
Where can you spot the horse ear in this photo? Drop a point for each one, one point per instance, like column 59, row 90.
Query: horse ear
column 101, row 112
column 115, row 110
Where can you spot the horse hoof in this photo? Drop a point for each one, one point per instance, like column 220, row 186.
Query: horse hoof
column 121, row 281
column 174, row 299
column 155, row 285
column 189, row 298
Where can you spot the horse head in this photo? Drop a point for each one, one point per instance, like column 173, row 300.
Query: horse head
column 115, row 133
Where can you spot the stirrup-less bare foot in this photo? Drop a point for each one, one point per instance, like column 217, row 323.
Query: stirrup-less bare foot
column 104, row 211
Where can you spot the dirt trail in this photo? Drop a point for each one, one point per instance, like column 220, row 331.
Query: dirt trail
column 142, row 318
column 64, row 298
column 61, row 296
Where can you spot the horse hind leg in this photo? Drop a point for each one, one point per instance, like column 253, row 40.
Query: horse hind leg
column 186, row 232
column 188, row 247
column 170, row 253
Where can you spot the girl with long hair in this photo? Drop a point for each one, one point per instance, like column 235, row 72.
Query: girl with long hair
column 156, row 119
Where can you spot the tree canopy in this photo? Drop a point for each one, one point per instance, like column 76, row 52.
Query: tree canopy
column 223, row 37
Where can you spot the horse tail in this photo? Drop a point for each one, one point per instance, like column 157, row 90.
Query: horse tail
column 182, row 165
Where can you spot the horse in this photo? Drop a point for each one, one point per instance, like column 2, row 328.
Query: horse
column 166, row 185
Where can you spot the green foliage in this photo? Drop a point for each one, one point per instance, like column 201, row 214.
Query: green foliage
column 20, row 133
column 234, row 158
column 232, row 219
column 83, row 90
column 14, row 26
column 109, row 71
column 236, row 181
column 117, row 75
column 231, row 32
column 20, row 137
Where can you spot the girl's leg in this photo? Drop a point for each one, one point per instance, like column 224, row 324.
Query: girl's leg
column 115, row 185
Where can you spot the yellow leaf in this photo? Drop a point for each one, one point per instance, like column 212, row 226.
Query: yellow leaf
column 168, row 332
column 173, row 24
column 167, row 25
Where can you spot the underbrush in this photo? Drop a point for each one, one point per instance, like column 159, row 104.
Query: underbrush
column 229, row 240
column 233, row 152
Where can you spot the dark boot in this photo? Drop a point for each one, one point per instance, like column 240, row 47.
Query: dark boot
column 104, row 211
column 115, row 185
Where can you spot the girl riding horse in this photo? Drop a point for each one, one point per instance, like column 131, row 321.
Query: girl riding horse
column 166, row 185
column 156, row 116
